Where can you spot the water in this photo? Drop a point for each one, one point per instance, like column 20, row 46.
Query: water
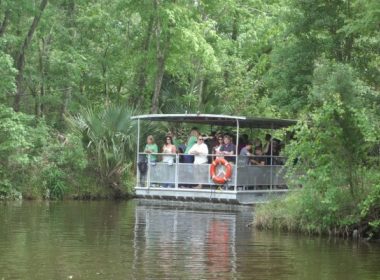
column 135, row 240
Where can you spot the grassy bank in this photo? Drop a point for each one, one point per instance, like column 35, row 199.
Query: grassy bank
column 309, row 212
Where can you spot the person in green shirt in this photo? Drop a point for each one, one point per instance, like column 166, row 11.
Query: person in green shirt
column 151, row 148
column 190, row 142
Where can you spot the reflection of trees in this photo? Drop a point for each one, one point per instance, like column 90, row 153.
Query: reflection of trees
column 263, row 256
column 53, row 240
column 334, row 258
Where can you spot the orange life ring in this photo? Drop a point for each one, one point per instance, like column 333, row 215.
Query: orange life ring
column 226, row 177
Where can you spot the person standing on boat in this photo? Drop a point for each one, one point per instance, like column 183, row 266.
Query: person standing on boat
column 200, row 151
column 243, row 140
column 246, row 153
column 151, row 148
column 168, row 157
column 168, row 148
column 267, row 149
column 218, row 145
column 258, row 158
column 228, row 148
column 176, row 142
column 190, row 142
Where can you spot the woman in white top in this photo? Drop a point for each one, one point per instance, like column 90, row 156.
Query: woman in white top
column 168, row 148
column 216, row 148
column 200, row 151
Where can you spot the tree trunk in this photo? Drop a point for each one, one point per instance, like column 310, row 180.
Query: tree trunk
column 104, row 74
column 160, row 60
column 70, row 10
column 43, row 59
column 158, row 83
column 20, row 61
column 5, row 22
column 200, row 97
column 65, row 103
column 34, row 93
column 141, row 75
column 234, row 35
column 349, row 41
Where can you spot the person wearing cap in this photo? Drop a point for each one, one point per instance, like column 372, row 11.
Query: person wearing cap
column 200, row 151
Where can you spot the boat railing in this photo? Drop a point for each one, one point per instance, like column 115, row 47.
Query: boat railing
column 177, row 174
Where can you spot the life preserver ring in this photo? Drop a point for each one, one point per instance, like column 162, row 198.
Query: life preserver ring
column 226, row 177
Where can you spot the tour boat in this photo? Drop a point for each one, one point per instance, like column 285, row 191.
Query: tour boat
column 218, row 180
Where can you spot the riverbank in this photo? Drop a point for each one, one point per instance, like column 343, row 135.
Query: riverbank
column 70, row 187
column 297, row 213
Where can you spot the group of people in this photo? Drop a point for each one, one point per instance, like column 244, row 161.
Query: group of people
column 256, row 153
column 201, row 149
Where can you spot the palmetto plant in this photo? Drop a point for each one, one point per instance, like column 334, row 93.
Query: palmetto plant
column 110, row 137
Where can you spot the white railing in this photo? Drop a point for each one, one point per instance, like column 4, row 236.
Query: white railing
column 177, row 174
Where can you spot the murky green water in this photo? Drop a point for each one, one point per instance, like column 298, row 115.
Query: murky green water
column 130, row 240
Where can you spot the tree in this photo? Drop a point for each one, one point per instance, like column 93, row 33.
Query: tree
column 20, row 59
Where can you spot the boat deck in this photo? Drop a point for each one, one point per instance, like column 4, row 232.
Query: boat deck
column 210, row 195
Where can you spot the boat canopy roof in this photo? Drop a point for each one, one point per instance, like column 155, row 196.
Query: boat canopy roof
column 219, row 120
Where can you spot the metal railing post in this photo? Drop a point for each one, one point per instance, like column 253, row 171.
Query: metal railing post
column 148, row 173
column 236, row 154
column 176, row 171
column 138, row 179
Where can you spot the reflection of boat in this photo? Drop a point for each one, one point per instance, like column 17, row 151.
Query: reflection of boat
column 248, row 184
column 184, row 241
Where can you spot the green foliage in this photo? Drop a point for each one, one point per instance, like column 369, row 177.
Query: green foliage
column 14, row 140
column 370, row 211
column 7, row 74
column 33, row 162
column 55, row 183
column 317, row 61
column 7, row 191
column 317, row 29
column 332, row 171
column 307, row 210
column 340, row 127
column 17, row 140
column 110, row 138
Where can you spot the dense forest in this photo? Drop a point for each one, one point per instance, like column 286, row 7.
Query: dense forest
column 74, row 71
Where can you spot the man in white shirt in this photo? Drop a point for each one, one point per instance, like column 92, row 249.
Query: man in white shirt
column 200, row 151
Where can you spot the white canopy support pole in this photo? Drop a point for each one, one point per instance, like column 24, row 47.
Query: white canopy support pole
column 138, row 153
column 236, row 154
column 271, row 157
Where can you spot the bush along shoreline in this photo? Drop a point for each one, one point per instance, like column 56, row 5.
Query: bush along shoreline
column 291, row 214
column 37, row 162
column 333, row 162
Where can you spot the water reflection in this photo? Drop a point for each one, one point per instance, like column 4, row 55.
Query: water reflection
column 185, row 241
column 131, row 240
